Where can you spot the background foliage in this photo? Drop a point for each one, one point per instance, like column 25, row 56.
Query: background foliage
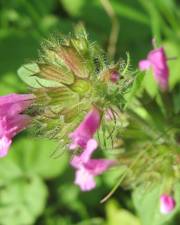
column 36, row 188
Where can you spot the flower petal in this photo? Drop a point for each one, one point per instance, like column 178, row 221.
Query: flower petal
column 78, row 161
column 90, row 148
column 158, row 61
column 85, row 131
column 144, row 65
column 14, row 104
column 85, row 180
column 98, row 166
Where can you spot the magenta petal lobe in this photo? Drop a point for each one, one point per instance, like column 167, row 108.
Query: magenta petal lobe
column 144, row 65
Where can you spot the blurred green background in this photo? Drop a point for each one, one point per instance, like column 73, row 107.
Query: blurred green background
column 36, row 188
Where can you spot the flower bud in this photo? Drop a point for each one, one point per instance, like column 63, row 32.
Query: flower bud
column 167, row 204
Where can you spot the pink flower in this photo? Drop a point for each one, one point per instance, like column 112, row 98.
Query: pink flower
column 11, row 121
column 14, row 104
column 86, row 171
column 87, row 152
column 86, row 130
column 157, row 60
column 87, row 168
column 167, row 204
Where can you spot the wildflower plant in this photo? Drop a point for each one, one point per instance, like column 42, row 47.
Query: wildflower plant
column 87, row 103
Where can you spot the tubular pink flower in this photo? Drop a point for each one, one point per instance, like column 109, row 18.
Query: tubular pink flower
column 157, row 60
column 14, row 104
column 86, row 130
column 11, row 121
column 86, row 171
column 167, row 204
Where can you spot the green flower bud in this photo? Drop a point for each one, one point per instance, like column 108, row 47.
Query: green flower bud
column 81, row 87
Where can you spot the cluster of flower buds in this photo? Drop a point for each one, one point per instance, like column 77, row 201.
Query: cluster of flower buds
column 85, row 91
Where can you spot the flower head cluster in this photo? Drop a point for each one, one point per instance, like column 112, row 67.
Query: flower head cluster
column 11, row 120
column 83, row 78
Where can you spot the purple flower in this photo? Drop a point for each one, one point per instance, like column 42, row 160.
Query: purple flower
column 86, row 171
column 157, row 60
column 87, row 168
column 86, row 130
column 11, row 121
column 167, row 204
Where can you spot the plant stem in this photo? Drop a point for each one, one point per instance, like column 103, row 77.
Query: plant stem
column 115, row 27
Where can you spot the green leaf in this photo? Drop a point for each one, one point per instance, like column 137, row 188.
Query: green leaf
column 33, row 156
column 73, row 7
column 22, row 192
column 116, row 215
column 28, row 72
column 22, row 201
column 147, row 205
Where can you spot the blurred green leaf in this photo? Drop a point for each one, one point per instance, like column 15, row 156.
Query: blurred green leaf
column 33, row 156
column 23, row 194
column 132, row 13
column 22, row 201
column 73, row 7
column 116, row 215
